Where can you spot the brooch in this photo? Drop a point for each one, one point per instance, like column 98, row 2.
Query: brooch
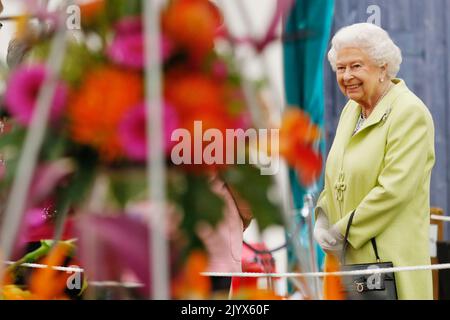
column 386, row 114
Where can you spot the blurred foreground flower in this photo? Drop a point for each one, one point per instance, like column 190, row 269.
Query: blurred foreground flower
column 189, row 283
column 99, row 106
column 127, row 47
column 133, row 131
column 256, row 294
column 90, row 9
column 22, row 93
column 297, row 138
column 111, row 246
column 192, row 24
column 48, row 283
column 103, row 133
column 202, row 100
column 47, row 178
column 332, row 285
column 43, row 283
column 13, row 292
column 194, row 94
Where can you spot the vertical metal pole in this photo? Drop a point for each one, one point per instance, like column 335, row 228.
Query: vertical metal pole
column 35, row 136
column 156, row 171
column 308, row 204
column 290, row 223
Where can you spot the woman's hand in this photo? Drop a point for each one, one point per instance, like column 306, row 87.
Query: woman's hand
column 329, row 239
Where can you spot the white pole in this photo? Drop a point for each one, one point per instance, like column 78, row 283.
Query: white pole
column 16, row 202
column 156, row 171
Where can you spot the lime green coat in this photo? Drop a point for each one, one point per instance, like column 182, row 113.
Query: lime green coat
column 383, row 172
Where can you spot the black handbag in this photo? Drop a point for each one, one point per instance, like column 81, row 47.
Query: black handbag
column 378, row 286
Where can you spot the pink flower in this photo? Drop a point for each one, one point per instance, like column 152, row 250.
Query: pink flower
column 22, row 92
column 132, row 131
column 47, row 178
column 121, row 244
column 220, row 70
column 127, row 47
column 129, row 25
column 128, row 50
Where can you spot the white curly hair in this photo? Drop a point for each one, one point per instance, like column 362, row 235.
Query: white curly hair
column 375, row 41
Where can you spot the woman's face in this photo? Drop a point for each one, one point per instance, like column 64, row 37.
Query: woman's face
column 358, row 77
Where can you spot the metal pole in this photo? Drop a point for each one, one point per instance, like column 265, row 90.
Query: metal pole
column 16, row 203
column 308, row 214
column 156, row 171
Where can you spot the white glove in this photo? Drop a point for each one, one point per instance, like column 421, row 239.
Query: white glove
column 329, row 239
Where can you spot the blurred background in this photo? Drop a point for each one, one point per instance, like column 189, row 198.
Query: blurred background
column 296, row 73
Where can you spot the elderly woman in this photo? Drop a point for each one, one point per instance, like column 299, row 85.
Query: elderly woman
column 380, row 162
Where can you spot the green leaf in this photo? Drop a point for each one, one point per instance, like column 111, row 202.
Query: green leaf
column 43, row 250
column 79, row 184
column 199, row 203
column 11, row 168
column 40, row 51
column 15, row 137
column 77, row 61
column 253, row 187
column 117, row 9
column 54, row 146
column 127, row 184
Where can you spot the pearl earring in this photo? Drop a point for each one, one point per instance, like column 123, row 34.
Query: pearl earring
column 381, row 79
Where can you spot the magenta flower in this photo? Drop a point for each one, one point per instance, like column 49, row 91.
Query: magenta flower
column 132, row 131
column 127, row 47
column 220, row 70
column 47, row 178
column 121, row 244
column 22, row 91
column 128, row 50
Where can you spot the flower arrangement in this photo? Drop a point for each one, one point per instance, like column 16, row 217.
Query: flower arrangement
column 96, row 137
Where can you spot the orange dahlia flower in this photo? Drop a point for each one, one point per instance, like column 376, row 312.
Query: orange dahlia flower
column 297, row 137
column 189, row 283
column 193, row 25
column 200, row 97
column 194, row 93
column 47, row 283
column 97, row 108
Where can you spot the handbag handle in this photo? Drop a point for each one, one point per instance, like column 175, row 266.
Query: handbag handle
column 344, row 248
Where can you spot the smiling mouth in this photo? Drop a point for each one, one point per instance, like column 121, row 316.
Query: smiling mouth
column 353, row 86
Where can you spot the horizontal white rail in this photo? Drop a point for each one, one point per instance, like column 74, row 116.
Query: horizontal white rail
column 324, row 274
column 441, row 218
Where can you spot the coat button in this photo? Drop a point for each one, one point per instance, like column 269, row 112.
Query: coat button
column 340, row 187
